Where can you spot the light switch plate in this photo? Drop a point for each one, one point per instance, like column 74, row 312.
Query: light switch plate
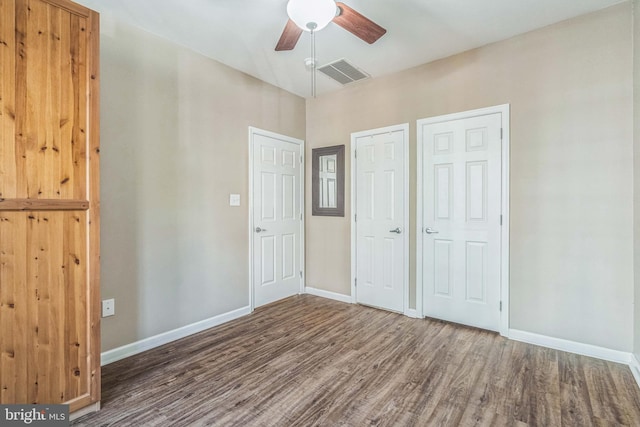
column 234, row 200
column 108, row 307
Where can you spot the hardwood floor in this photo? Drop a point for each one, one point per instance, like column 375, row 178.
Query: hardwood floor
column 311, row 361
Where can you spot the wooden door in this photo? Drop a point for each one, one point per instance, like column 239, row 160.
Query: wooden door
column 461, row 239
column 381, row 217
column 277, row 219
column 49, row 203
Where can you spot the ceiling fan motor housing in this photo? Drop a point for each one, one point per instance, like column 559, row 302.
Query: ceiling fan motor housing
column 312, row 15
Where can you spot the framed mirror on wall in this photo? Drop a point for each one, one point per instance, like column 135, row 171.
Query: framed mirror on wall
column 327, row 181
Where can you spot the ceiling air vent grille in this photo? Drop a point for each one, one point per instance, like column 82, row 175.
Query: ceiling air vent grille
column 343, row 72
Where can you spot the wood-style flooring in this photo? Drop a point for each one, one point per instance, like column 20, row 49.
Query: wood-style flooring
column 308, row 361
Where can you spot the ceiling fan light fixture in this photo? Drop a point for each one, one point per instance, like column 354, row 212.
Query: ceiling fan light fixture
column 311, row 14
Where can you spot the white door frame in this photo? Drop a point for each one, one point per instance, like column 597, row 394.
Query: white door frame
column 256, row 131
column 504, row 241
column 405, row 128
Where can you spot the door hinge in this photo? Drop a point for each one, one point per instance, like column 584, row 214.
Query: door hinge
column 355, row 282
column 301, row 274
column 355, row 218
column 300, row 216
column 500, row 305
column 355, row 154
column 501, row 133
column 300, row 159
column 500, row 219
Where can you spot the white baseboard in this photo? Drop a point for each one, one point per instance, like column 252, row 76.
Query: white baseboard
column 328, row 294
column 634, row 365
column 412, row 312
column 514, row 334
column 346, row 298
column 169, row 336
column 94, row 407
column 571, row 346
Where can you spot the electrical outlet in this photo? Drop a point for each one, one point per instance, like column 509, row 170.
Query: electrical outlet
column 108, row 307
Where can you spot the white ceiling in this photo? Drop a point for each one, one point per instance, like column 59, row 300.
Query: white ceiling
column 243, row 33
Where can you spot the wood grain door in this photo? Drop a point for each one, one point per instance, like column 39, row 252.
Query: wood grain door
column 49, row 203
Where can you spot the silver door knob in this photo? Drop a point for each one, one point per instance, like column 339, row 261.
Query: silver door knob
column 258, row 229
column 396, row 230
column 430, row 230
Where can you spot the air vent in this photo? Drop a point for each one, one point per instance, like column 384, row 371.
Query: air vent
column 343, row 72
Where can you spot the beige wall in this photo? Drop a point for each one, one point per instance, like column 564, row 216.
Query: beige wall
column 174, row 146
column 569, row 86
column 636, row 168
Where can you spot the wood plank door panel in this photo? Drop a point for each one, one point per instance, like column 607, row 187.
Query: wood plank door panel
column 49, row 203
column 44, row 335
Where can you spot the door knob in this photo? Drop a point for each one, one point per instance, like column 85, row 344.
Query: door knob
column 396, row 230
column 430, row 230
column 258, row 229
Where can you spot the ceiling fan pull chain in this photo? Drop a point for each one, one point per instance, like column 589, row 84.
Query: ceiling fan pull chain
column 313, row 63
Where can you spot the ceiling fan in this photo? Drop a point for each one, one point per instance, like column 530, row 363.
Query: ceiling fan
column 313, row 15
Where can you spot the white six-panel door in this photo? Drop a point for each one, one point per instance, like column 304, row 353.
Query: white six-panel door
column 381, row 239
column 276, row 216
column 461, row 225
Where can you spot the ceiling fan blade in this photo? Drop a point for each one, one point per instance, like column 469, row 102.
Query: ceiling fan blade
column 358, row 24
column 289, row 37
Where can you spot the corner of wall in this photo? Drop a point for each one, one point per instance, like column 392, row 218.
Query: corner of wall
column 636, row 174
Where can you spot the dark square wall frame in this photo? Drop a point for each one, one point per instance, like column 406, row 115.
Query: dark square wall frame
column 316, row 154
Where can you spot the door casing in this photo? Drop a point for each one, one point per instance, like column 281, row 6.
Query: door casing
column 354, row 136
column 504, row 110
column 256, row 131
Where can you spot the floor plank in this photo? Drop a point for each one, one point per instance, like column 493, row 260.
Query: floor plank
column 308, row 361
